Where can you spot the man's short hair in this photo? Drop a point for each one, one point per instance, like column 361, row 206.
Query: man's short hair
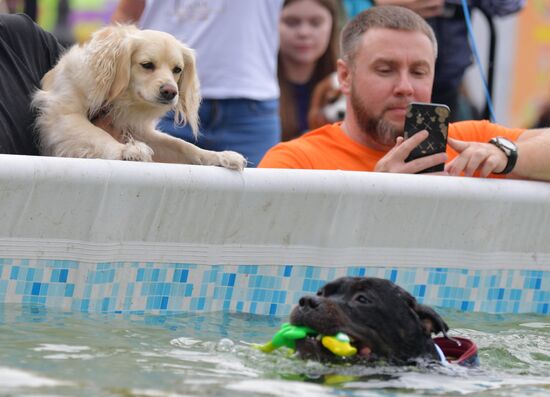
column 385, row 17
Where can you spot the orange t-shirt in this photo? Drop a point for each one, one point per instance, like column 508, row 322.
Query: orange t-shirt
column 329, row 148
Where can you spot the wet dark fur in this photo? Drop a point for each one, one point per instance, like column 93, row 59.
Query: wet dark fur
column 376, row 314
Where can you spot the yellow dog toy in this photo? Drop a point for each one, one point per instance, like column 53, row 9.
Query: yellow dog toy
column 338, row 344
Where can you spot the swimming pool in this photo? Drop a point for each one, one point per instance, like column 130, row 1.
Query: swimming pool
column 48, row 352
column 110, row 236
column 132, row 279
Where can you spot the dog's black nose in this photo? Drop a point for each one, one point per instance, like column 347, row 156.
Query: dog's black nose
column 168, row 92
column 309, row 301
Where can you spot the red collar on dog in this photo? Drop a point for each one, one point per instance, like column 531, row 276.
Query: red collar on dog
column 458, row 350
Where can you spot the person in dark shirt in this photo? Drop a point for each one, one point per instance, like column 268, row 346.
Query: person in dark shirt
column 27, row 52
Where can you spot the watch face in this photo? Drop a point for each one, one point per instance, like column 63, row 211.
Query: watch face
column 506, row 144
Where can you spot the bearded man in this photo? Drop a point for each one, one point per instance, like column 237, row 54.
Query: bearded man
column 388, row 60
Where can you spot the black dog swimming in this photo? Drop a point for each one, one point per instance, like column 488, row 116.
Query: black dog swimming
column 384, row 322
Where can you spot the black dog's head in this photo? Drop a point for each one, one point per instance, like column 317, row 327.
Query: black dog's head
column 383, row 321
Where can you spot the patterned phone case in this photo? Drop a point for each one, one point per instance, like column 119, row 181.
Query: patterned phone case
column 434, row 118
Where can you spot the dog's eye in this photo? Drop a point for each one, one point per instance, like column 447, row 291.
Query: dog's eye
column 362, row 299
column 320, row 292
column 176, row 70
column 148, row 65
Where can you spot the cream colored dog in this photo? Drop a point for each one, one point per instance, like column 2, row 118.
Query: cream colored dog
column 130, row 78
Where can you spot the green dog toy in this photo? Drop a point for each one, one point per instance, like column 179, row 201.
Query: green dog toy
column 287, row 336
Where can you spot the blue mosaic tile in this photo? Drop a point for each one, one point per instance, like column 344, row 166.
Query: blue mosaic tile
column 541, row 296
column 14, row 273
column 3, row 287
column 264, row 289
column 228, row 279
column 181, row 275
column 287, row 271
column 69, row 290
column 437, row 277
column 393, row 275
column 514, row 294
column 534, row 283
column 419, row 291
column 355, row 271
column 247, row 269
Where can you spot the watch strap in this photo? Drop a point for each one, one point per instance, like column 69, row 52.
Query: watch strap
column 510, row 152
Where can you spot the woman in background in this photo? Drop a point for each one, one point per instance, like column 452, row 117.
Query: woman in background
column 309, row 33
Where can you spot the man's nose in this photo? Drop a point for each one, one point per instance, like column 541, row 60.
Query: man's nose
column 404, row 86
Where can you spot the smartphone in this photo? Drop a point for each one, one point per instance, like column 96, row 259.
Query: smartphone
column 434, row 118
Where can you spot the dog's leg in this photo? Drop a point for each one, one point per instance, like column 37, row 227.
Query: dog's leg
column 168, row 149
column 136, row 151
column 75, row 136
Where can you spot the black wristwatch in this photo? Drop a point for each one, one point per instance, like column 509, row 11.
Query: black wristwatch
column 510, row 150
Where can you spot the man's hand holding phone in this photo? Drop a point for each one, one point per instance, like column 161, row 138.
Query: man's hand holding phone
column 423, row 146
column 394, row 160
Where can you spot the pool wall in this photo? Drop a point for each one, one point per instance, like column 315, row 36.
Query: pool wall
column 96, row 235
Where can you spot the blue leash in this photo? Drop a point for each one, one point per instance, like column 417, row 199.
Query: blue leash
column 473, row 45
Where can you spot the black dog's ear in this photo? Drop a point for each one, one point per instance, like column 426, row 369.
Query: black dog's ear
column 432, row 322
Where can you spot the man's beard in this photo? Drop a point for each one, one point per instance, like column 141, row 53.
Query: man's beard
column 381, row 131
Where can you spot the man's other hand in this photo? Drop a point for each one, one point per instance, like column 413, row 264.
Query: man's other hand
column 474, row 156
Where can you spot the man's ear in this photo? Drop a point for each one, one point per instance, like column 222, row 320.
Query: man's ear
column 343, row 70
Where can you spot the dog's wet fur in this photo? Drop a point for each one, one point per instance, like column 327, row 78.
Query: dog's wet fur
column 384, row 322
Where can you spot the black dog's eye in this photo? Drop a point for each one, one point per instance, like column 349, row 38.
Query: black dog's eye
column 362, row 299
column 148, row 65
column 176, row 70
column 320, row 292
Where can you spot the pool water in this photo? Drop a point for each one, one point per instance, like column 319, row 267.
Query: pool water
column 45, row 352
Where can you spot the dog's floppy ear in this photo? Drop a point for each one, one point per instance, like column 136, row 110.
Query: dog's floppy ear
column 187, row 109
column 315, row 117
column 110, row 56
column 431, row 321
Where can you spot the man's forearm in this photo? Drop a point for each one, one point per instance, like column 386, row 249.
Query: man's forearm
column 533, row 155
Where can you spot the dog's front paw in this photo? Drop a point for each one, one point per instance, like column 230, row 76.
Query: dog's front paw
column 231, row 160
column 137, row 151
